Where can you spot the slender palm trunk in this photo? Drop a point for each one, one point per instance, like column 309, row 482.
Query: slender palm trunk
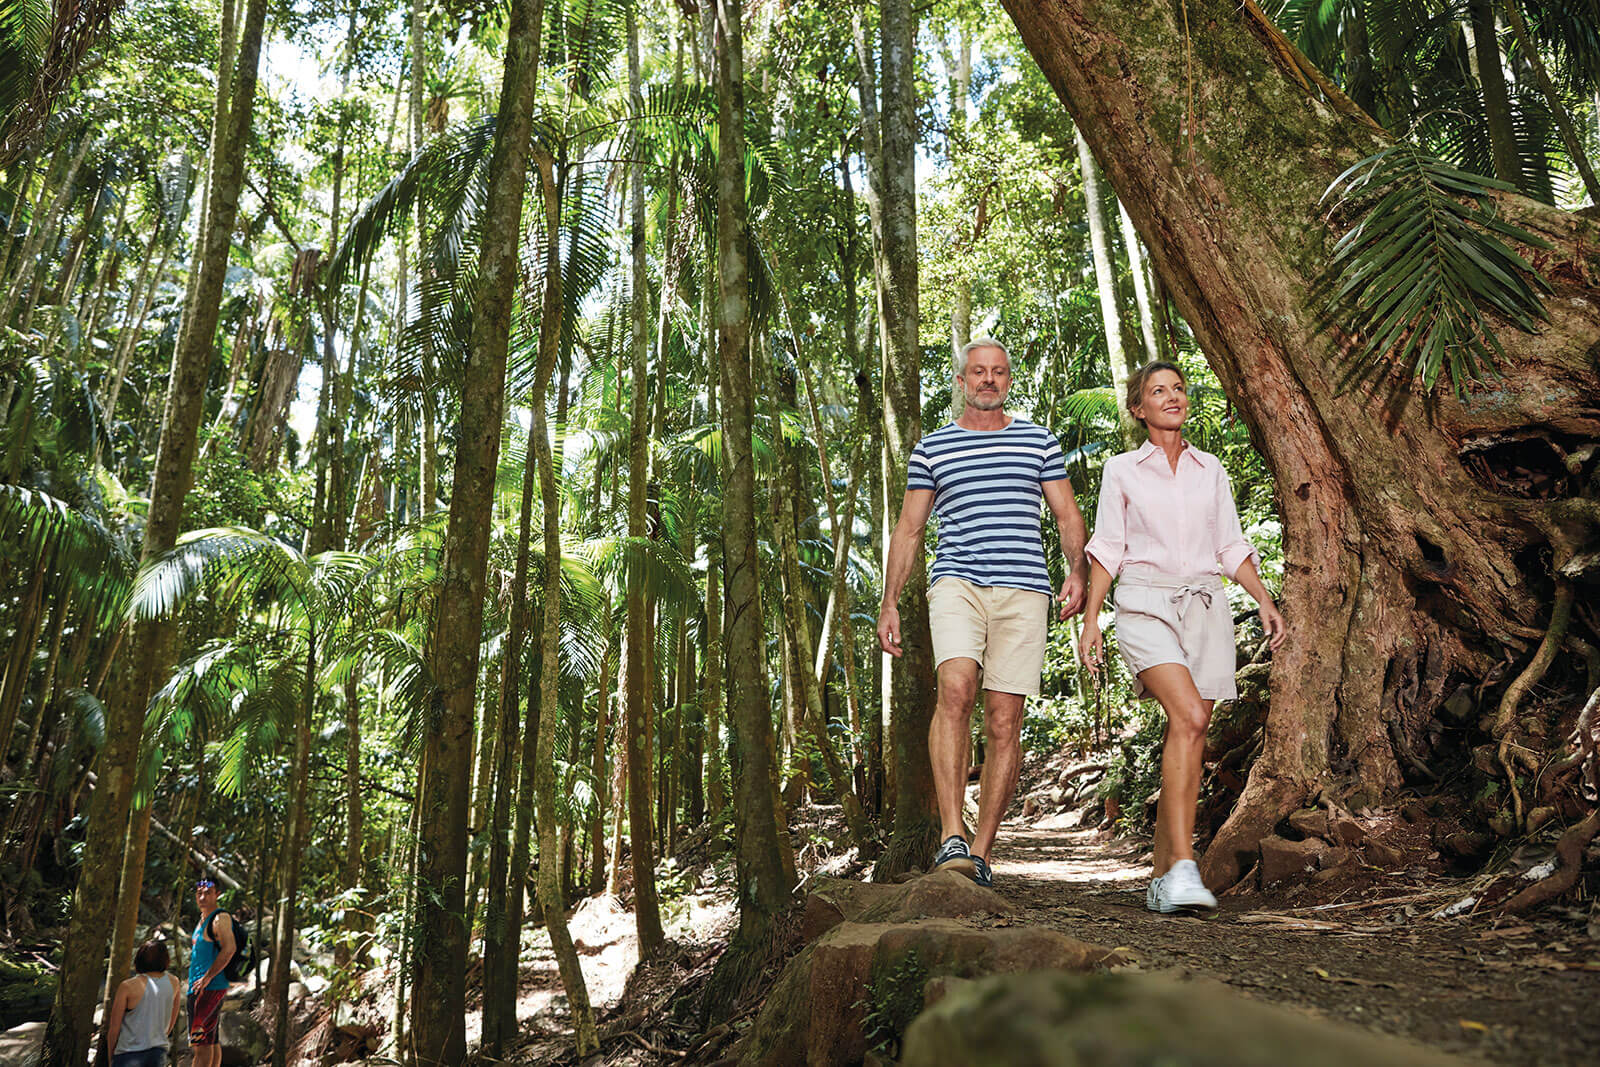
column 1105, row 279
column 1496, row 98
column 289, row 863
column 1552, row 97
column 637, row 681
column 502, row 942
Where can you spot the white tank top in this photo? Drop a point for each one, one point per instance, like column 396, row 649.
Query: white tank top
column 145, row 1025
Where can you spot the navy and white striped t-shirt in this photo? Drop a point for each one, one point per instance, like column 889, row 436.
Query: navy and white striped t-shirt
column 986, row 490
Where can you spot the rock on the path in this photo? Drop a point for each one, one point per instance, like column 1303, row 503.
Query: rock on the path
column 1384, row 855
column 942, row 893
column 244, row 1041
column 1309, row 822
column 815, row 1013
column 1054, row 1019
column 19, row 1046
column 1282, row 860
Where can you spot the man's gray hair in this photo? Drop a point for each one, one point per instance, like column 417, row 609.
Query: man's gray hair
column 976, row 343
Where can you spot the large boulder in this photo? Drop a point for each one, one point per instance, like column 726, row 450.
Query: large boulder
column 244, row 1040
column 944, row 894
column 1055, row 1019
column 26, row 993
column 19, row 1046
column 817, row 1012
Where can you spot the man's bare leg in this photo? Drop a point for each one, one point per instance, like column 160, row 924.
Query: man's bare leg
column 1188, row 715
column 949, row 738
column 1002, row 763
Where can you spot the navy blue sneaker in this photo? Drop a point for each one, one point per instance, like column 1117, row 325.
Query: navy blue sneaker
column 955, row 856
column 982, row 875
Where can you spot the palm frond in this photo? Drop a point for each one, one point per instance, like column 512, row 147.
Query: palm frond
column 232, row 564
column 1411, row 278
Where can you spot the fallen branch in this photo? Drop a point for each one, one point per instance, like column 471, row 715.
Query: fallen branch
column 198, row 856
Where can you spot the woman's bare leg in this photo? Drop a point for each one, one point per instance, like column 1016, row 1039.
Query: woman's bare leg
column 1188, row 715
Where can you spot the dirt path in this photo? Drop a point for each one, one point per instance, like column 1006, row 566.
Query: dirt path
column 1523, row 991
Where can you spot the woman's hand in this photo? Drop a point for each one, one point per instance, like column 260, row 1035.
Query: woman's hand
column 1273, row 624
column 1091, row 646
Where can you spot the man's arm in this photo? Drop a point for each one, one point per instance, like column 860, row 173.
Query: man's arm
column 903, row 550
column 1069, row 522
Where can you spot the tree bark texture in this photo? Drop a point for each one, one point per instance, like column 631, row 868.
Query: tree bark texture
column 913, row 686
column 439, row 959
column 638, row 708
column 763, row 885
column 94, row 899
column 502, row 943
column 1408, row 561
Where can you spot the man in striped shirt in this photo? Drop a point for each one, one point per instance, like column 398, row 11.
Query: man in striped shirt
column 989, row 599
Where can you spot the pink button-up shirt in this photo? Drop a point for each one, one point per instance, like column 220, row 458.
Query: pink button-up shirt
column 1182, row 523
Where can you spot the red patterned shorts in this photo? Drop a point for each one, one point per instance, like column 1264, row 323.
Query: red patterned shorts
column 205, row 1012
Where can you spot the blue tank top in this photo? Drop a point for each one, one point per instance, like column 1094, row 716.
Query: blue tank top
column 205, row 954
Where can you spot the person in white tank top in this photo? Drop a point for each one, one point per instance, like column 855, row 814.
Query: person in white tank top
column 144, row 1011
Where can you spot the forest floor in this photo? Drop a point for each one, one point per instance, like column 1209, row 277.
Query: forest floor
column 1397, row 952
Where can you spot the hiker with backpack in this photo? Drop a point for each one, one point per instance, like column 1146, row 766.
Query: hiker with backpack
column 214, row 948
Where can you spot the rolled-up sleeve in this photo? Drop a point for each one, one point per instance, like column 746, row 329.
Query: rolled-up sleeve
column 1109, row 544
column 1232, row 547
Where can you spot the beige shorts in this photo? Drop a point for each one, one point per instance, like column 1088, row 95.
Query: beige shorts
column 1167, row 619
column 1003, row 629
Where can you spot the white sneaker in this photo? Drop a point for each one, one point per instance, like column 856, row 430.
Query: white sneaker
column 1180, row 889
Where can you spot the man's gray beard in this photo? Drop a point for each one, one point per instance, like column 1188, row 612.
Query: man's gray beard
column 986, row 401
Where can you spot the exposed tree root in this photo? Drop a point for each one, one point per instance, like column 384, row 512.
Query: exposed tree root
column 1505, row 718
column 1569, row 852
column 740, row 972
column 1264, row 801
column 908, row 849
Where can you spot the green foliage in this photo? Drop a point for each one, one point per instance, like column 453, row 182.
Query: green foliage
column 1406, row 282
column 894, row 998
column 1135, row 771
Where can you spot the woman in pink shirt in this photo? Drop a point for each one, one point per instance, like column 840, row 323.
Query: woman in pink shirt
column 1168, row 527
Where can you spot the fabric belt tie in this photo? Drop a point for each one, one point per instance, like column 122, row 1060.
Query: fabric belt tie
column 1183, row 595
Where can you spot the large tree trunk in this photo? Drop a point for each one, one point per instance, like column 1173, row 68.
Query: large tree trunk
column 915, row 825
column 439, row 959
column 1408, row 564
column 763, row 882
column 94, row 899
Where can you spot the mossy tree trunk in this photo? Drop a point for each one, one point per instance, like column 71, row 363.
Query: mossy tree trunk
column 912, row 686
column 1409, row 564
column 763, row 882
column 439, row 958
column 94, row 899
